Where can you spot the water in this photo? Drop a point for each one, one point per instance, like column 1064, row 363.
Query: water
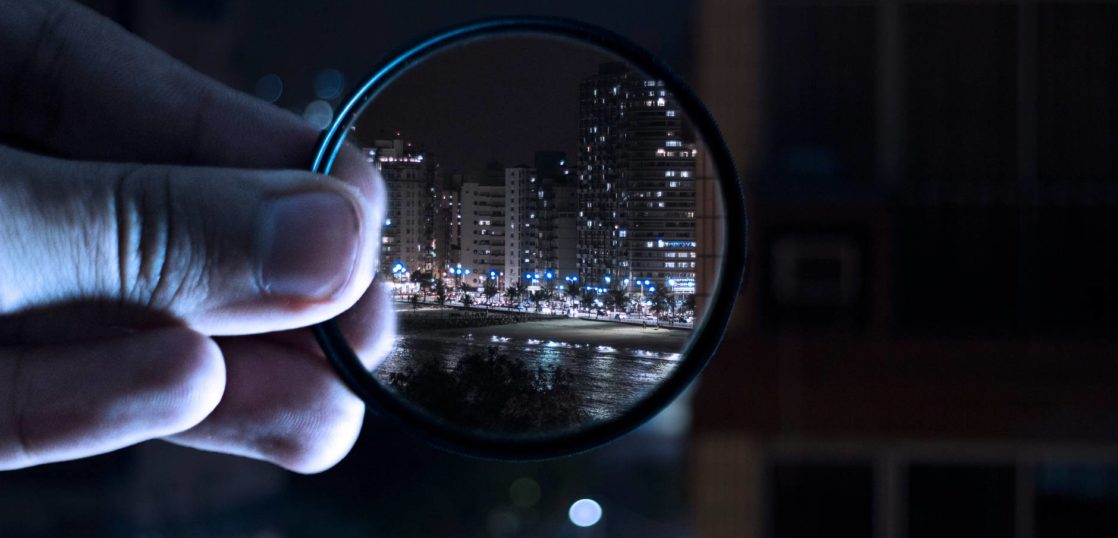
column 613, row 365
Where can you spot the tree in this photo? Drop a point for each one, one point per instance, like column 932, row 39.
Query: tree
column 617, row 298
column 540, row 296
column 440, row 292
column 425, row 281
column 689, row 303
column 516, row 291
column 495, row 392
column 662, row 301
column 574, row 291
column 490, row 291
column 587, row 297
column 467, row 300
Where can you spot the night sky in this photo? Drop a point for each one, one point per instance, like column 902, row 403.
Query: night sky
column 500, row 99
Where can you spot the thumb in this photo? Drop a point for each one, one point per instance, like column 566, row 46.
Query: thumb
column 226, row 251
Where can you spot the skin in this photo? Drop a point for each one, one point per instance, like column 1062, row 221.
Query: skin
column 132, row 306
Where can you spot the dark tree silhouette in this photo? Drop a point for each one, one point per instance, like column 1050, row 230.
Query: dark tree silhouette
column 618, row 298
column 490, row 291
column 662, row 301
column 516, row 291
column 494, row 392
column 440, row 292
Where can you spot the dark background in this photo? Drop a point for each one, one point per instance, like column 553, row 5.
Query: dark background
column 500, row 100
column 925, row 345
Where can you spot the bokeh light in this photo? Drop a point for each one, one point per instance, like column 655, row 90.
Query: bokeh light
column 503, row 523
column 269, row 88
column 319, row 114
column 328, row 84
column 524, row 492
column 585, row 512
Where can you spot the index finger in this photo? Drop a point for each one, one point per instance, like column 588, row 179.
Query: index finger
column 78, row 86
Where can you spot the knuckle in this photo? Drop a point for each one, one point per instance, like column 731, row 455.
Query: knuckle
column 156, row 243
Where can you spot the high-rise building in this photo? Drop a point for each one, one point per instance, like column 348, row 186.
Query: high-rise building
column 482, row 234
column 520, row 237
column 636, row 188
column 448, row 222
column 407, row 242
column 541, row 203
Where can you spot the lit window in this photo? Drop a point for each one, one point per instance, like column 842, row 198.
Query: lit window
column 685, row 173
column 674, row 143
column 669, row 173
column 673, row 183
column 670, row 113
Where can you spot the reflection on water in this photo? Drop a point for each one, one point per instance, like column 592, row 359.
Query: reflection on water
column 608, row 365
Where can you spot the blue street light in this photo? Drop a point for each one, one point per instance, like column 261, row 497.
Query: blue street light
column 651, row 289
column 492, row 274
column 608, row 279
column 467, row 271
column 647, row 282
column 549, row 275
column 398, row 268
column 671, row 282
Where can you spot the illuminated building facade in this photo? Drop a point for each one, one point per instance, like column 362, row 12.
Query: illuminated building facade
column 407, row 242
column 482, row 232
column 636, row 184
column 541, row 203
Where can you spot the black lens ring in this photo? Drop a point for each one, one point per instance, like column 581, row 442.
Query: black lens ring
column 538, row 446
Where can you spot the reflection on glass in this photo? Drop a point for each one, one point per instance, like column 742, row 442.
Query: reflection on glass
column 551, row 236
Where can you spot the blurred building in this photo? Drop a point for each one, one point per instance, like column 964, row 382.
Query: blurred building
column 636, row 190
column 925, row 345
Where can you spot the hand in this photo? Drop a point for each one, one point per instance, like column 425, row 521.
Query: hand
column 159, row 247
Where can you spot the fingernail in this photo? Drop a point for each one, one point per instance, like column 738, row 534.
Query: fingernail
column 308, row 244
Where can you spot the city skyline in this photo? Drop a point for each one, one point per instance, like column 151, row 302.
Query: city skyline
column 620, row 213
